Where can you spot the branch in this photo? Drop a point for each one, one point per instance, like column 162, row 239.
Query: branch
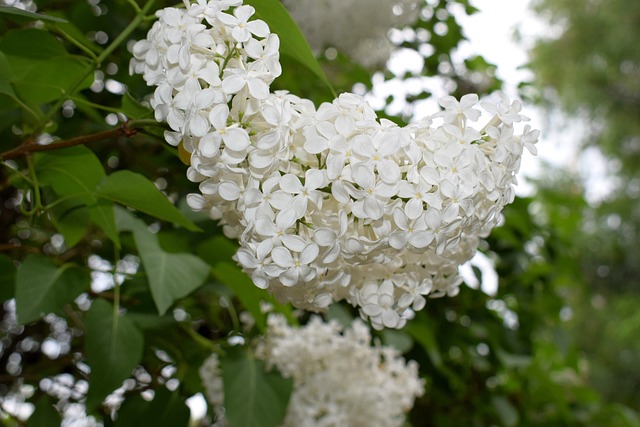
column 29, row 147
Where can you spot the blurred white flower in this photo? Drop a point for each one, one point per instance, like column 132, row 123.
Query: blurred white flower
column 339, row 378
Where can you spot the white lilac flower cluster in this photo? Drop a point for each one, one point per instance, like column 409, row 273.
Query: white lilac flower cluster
column 330, row 203
column 358, row 28
column 339, row 379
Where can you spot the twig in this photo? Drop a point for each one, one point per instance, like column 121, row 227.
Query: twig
column 125, row 130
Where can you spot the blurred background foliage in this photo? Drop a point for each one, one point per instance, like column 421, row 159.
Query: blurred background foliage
column 589, row 68
column 555, row 346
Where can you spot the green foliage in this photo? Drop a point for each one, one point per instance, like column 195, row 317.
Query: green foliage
column 592, row 73
column 171, row 276
column 44, row 414
column 253, row 396
column 101, row 255
column 135, row 191
column 167, row 409
column 292, row 41
column 42, row 287
column 114, row 346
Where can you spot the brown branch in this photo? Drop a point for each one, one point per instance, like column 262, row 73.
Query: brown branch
column 29, row 147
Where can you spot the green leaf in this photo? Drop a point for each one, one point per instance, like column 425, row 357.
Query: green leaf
column 70, row 171
column 167, row 409
column 249, row 295
column 171, row 276
column 135, row 191
column 131, row 108
column 42, row 287
column 292, row 41
column 71, row 219
column 425, row 336
column 70, row 30
column 252, row 396
column 6, row 77
column 399, row 340
column 46, row 81
column 43, row 70
column 218, row 252
column 31, row 43
column 507, row 412
column 114, row 348
column 24, row 15
column 74, row 173
column 45, row 414
column 7, row 278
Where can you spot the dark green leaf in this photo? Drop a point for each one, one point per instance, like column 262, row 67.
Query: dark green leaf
column 171, row 276
column 45, row 414
column 507, row 412
column 292, row 41
column 13, row 12
column 42, row 69
column 425, row 336
column 71, row 219
column 6, row 77
column 7, row 278
column 253, row 397
column 113, row 346
column 151, row 321
column 135, row 191
column 42, row 287
column 167, row 409
column 31, row 43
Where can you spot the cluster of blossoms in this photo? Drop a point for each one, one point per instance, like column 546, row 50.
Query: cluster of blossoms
column 339, row 379
column 356, row 27
column 328, row 203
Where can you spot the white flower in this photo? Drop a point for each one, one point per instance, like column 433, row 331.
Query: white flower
column 331, row 203
column 304, row 193
column 234, row 137
column 456, row 111
column 296, row 266
column 412, row 231
column 235, row 79
column 339, row 378
column 373, row 194
column 379, row 305
column 241, row 27
column 258, row 262
column 508, row 112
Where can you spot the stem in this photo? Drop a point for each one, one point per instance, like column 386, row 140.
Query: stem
column 75, row 42
column 128, row 129
column 14, row 172
column 200, row 339
column 116, row 292
column 134, row 5
column 83, row 101
column 37, row 203
column 97, row 61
